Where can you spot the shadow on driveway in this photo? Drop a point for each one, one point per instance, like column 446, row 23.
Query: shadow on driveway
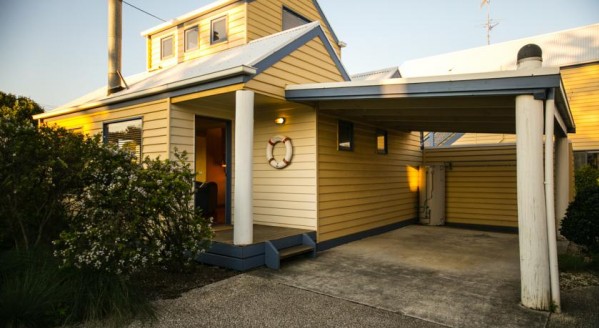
column 453, row 277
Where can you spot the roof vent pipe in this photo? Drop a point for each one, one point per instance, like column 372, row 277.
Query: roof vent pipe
column 530, row 56
column 115, row 10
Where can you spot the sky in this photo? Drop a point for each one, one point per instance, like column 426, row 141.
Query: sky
column 54, row 51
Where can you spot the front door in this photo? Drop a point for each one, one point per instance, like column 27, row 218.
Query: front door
column 212, row 140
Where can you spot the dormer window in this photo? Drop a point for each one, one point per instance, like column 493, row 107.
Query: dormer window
column 292, row 19
column 166, row 47
column 191, row 38
column 218, row 30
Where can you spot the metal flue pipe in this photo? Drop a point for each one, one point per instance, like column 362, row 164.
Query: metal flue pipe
column 115, row 10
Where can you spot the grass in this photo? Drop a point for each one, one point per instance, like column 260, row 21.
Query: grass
column 578, row 263
column 35, row 292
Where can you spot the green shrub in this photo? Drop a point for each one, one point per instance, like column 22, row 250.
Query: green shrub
column 39, row 168
column 581, row 223
column 586, row 177
column 131, row 215
column 35, row 292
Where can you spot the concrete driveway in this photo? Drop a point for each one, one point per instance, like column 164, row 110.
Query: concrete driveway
column 452, row 277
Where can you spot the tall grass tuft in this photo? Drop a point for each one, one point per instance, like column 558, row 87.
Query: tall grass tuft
column 35, row 292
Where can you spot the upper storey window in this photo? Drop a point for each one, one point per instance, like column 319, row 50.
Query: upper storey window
column 166, row 47
column 192, row 38
column 218, row 30
column 292, row 19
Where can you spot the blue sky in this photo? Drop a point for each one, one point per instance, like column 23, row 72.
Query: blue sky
column 55, row 50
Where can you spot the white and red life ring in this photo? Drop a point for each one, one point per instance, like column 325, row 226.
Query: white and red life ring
column 288, row 152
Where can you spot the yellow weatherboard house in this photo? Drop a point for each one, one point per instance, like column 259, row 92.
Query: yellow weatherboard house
column 294, row 156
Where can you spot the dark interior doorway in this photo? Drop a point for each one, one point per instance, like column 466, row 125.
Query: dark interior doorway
column 212, row 155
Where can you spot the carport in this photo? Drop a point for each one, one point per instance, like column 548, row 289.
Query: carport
column 529, row 102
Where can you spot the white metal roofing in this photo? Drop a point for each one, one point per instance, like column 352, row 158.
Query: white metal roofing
column 381, row 74
column 238, row 60
column 563, row 48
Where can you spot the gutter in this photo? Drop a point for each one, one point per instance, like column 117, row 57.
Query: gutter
column 239, row 70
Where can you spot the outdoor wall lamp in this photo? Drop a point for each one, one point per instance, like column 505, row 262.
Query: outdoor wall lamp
column 280, row 120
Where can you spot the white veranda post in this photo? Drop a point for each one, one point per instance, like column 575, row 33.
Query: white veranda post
column 550, row 114
column 562, row 179
column 532, row 224
column 244, row 142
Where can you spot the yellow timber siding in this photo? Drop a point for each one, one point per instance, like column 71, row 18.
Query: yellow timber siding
column 480, row 183
column 581, row 83
column 154, row 121
column 361, row 190
column 310, row 63
column 286, row 197
column 236, row 23
column 582, row 87
column 182, row 125
column 266, row 18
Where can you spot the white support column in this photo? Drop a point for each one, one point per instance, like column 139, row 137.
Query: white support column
column 550, row 202
column 243, row 230
column 562, row 179
column 532, row 225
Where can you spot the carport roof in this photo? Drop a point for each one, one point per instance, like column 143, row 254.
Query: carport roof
column 482, row 102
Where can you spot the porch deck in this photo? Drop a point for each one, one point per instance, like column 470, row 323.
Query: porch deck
column 224, row 253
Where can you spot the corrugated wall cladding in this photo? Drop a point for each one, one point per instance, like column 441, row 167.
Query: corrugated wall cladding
column 310, row 63
column 236, row 23
column 480, row 185
column 485, row 139
column 582, row 87
column 362, row 190
column 266, row 18
column 154, row 121
column 286, row 197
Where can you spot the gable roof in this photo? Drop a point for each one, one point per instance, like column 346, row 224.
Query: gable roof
column 381, row 74
column 228, row 67
column 563, row 48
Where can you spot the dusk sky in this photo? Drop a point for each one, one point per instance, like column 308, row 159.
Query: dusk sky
column 54, row 51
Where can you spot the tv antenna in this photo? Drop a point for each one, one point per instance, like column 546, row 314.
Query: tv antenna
column 490, row 22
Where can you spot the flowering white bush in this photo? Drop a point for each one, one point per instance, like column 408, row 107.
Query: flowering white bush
column 133, row 214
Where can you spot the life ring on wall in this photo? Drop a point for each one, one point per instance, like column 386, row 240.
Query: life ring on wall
column 288, row 152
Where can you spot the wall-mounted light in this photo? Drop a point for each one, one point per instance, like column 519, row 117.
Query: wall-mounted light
column 280, row 120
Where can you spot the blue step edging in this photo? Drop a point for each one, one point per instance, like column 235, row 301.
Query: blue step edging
column 272, row 249
column 244, row 258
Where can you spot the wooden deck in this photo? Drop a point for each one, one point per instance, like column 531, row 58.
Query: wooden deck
column 262, row 233
column 225, row 253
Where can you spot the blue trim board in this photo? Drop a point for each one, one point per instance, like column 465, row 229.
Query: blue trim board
column 325, row 20
column 317, row 31
column 364, row 234
column 481, row 227
column 536, row 85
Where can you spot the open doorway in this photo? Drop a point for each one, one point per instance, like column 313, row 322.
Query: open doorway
column 212, row 155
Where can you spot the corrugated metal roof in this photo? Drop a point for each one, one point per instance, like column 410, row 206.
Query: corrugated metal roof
column 381, row 74
column 563, row 48
column 242, row 56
